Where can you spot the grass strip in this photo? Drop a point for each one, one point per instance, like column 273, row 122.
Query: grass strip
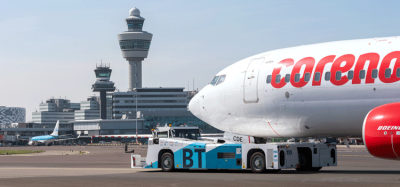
column 12, row 152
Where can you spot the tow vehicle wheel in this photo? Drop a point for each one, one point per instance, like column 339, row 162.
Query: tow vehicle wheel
column 303, row 163
column 257, row 162
column 167, row 162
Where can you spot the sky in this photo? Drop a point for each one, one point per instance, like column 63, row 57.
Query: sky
column 50, row 48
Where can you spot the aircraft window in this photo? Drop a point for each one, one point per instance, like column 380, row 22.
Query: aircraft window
column 362, row 74
column 374, row 73
column 338, row 75
column 297, row 77
column 307, row 77
column 398, row 73
column 287, row 78
column 350, row 74
column 328, row 76
column 388, row 72
column 221, row 79
column 278, row 78
column 317, row 76
column 269, row 77
column 215, row 79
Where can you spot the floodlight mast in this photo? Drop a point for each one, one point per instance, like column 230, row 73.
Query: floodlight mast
column 136, row 120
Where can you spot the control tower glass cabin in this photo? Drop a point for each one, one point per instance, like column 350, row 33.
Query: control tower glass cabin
column 103, row 85
column 135, row 45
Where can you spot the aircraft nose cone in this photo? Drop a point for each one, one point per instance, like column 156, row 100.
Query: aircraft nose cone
column 194, row 106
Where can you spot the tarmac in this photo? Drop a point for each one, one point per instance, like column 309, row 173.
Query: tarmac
column 110, row 166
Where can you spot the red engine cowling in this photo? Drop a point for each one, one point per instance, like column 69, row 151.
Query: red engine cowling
column 381, row 131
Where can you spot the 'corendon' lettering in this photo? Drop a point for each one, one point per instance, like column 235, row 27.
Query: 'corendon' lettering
column 309, row 63
column 320, row 68
column 386, row 63
column 349, row 60
column 373, row 59
column 336, row 66
column 286, row 62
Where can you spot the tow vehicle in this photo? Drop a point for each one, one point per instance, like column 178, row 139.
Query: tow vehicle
column 184, row 148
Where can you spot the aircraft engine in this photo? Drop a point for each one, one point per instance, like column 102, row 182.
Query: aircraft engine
column 381, row 131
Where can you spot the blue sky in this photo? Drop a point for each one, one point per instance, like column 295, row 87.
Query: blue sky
column 50, row 48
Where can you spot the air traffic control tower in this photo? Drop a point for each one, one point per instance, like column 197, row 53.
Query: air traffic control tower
column 103, row 85
column 135, row 45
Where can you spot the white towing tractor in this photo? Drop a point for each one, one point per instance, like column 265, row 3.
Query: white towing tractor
column 173, row 148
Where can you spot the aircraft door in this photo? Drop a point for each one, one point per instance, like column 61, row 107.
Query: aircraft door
column 251, row 81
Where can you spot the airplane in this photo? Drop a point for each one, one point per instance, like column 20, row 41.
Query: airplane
column 47, row 139
column 339, row 89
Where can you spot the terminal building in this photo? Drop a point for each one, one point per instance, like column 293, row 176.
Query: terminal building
column 12, row 115
column 146, row 107
column 150, row 99
column 159, row 106
column 90, row 109
column 43, row 121
column 55, row 109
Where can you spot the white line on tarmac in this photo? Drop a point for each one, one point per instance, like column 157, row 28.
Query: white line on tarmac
column 357, row 155
column 82, row 169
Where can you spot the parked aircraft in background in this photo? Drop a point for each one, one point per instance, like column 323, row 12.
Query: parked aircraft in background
column 47, row 139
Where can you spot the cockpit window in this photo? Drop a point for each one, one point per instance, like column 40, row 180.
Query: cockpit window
column 214, row 81
column 221, row 79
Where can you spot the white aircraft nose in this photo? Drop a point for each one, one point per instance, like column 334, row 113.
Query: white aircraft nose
column 194, row 106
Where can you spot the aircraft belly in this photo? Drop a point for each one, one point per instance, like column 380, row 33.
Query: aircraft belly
column 328, row 113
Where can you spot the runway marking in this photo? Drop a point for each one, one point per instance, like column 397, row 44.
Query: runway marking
column 357, row 155
column 88, row 169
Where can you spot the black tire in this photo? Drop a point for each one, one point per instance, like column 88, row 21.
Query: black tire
column 303, row 163
column 167, row 162
column 257, row 162
column 315, row 168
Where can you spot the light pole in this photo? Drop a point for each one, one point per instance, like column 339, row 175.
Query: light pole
column 136, row 120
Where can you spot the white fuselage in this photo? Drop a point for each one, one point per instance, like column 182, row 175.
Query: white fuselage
column 247, row 103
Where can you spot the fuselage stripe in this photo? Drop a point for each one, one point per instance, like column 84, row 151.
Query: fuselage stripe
column 274, row 130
